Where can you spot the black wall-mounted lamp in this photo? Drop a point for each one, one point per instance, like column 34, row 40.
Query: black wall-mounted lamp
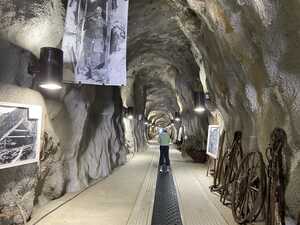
column 140, row 117
column 199, row 101
column 145, row 121
column 49, row 70
column 177, row 116
column 207, row 97
column 171, row 122
column 129, row 112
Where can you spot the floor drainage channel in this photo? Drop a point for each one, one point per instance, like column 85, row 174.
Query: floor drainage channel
column 165, row 210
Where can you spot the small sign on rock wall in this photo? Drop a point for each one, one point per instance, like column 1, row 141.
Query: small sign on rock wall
column 213, row 141
column 94, row 42
column 20, row 131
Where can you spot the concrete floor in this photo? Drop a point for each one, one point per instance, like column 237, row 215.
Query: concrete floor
column 127, row 196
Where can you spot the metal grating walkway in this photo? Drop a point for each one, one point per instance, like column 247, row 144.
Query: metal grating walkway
column 166, row 210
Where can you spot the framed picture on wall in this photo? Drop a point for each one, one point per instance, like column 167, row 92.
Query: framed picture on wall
column 213, row 141
column 20, row 134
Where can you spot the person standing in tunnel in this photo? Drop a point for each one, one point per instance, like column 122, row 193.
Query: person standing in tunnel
column 164, row 141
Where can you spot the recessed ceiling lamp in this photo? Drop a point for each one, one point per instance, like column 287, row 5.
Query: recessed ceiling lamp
column 51, row 68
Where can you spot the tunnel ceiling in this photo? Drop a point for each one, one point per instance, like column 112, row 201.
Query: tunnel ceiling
column 162, row 71
column 247, row 53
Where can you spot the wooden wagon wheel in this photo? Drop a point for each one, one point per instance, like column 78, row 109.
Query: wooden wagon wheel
column 249, row 188
column 232, row 162
column 220, row 173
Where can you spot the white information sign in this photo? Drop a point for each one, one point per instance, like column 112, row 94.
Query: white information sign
column 213, row 138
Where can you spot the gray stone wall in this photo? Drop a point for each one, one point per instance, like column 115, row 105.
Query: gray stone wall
column 248, row 54
column 83, row 138
column 82, row 141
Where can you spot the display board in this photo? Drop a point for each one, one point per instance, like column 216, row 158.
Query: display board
column 94, row 42
column 213, row 141
column 20, row 133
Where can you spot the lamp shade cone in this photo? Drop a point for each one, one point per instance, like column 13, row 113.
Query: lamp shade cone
column 51, row 68
column 199, row 102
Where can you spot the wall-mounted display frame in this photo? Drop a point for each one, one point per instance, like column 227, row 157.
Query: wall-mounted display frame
column 20, row 134
column 213, row 138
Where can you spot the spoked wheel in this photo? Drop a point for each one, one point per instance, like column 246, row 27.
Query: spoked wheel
column 220, row 174
column 249, row 188
column 232, row 163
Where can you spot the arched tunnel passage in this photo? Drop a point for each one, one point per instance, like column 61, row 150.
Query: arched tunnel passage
column 241, row 57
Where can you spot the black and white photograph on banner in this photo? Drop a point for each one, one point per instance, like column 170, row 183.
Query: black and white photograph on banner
column 213, row 141
column 94, row 42
column 20, row 130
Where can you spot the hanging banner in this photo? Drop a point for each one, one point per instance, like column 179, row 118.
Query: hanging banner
column 94, row 42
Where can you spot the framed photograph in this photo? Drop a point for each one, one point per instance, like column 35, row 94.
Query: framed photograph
column 213, row 141
column 20, row 134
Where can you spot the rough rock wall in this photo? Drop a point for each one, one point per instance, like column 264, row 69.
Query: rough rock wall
column 22, row 185
column 80, row 145
column 248, row 53
column 89, row 127
column 83, row 141
column 134, row 133
column 162, row 72
column 84, row 137
column 42, row 19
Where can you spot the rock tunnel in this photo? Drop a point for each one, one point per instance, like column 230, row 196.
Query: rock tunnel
column 97, row 165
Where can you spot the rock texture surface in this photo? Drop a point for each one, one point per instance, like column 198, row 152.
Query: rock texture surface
column 162, row 71
column 22, row 185
column 82, row 140
column 244, row 54
column 248, row 56
column 83, row 137
column 32, row 24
